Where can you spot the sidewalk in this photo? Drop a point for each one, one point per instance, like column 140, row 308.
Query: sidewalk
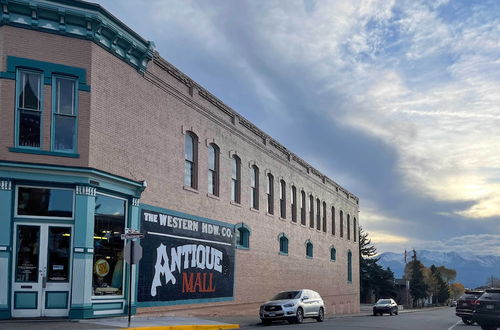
column 163, row 322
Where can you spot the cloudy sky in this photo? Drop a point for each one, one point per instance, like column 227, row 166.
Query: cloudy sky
column 397, row 100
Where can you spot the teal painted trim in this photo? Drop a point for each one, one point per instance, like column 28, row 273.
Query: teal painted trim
column 6, row 211
column 81, row 312
column 55, row 78
column 106, row 306
column 241, row 247
column 84, row 170
column 59, row 300
column 245, row 233
column 26, row 150
column 182, row 302
column 82, row 21
column 5, row 313
column 41, row 220
column 48, row 70
column 84, row 229
column 8, row 75
column 25, row 303
column 185, row 215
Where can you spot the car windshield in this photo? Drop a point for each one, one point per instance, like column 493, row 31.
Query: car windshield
column 491, row 295
column 287, row 295
column 384, row 301
column 470, row 296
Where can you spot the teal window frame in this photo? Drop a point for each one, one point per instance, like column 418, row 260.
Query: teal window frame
column 349, row 267
column 17, row 123
column 283, row 244
column 333, row 254
column 309, row 249
column 243, row 236
column 55, row 77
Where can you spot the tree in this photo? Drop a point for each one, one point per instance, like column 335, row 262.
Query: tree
column 442, row 289
column 457, row 290
column 414, row 271
column 447, row 274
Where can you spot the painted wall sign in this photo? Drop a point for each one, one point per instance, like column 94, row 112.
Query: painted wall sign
column 185, row 258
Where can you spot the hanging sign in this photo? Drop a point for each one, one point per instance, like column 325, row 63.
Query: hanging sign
column 185, row 258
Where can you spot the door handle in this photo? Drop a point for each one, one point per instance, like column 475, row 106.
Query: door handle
column 44, row 282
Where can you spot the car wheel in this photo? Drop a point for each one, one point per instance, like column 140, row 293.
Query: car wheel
column 374, row 314
column 321, row 315
column 266, row 322
column 390, row 313
column 299, row 316
column 467, row 320
column 488, row 327
column 396, row 312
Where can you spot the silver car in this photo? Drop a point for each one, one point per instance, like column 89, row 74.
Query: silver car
column 293, row 306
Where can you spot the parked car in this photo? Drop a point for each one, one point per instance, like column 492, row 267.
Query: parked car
column 388, row 306
column 487, row 311
column 466, row 304
column 293, row 306
column 453, row 303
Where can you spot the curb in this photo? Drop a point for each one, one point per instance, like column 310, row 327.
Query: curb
column 189, row 327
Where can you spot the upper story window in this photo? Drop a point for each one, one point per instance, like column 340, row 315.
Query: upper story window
column 341, row 223
column 303, row 208
column 318, row 214
column 282, row 199
column 242, row 236
column 29, row 108
column 44, row 202
column 354, row 229
column 283, row 240
column 333, row 254
column 311, row 211
column 236, row 179
column 293, row 205
column 191, row 160
column 270, row 193
column 254, row 187
column 324, row 217
column 309, row 249
column 213, row 169
column 64, row 114
column 349, row 266
column 348, row 227
column 333, row 220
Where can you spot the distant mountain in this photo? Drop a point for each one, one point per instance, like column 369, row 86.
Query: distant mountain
column 472, row 271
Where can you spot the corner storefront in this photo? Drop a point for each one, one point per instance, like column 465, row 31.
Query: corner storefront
column 61, row 241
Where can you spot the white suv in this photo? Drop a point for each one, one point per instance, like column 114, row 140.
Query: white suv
column 293, row 306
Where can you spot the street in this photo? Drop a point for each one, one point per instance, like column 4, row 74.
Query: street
column 437, row 319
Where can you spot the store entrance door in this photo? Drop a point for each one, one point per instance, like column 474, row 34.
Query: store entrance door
column 41, row 272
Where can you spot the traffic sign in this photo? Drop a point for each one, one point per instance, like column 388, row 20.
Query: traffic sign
column 132, row 253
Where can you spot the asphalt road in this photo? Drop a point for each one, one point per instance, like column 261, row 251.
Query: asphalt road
column 440, row 319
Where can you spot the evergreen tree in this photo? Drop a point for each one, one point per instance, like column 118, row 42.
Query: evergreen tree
column 418, row 288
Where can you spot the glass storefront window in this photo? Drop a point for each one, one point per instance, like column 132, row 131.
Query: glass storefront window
column 109, row 224
column 28, row 243
column 45, row 202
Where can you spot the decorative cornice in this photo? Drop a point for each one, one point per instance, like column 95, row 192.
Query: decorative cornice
column 86, row 190
column 85, row 21
column 5, row 185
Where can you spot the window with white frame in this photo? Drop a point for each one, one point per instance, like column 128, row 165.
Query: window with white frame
column 282, row 199
column 254, row 187
column 190, row 160
column 236, row 179
column 213, row 169
column 270, row 193
column 29, row 108
column 293, row 205
column 303, row 208
column 64, row 114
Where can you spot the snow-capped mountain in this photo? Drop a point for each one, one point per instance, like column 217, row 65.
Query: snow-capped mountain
column 472, row 270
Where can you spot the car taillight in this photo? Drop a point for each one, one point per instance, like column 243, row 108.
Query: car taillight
column 475, row 303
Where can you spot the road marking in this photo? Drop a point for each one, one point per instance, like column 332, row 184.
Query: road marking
column 454, row 325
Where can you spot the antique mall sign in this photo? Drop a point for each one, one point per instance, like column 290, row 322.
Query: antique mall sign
column 185, row 258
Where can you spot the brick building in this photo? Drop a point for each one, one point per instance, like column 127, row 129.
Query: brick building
column 99, row 133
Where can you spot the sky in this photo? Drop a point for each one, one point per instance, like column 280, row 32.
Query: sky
column 396, row 100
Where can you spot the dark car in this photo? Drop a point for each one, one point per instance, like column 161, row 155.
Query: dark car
column 487, row 311
column 388, row 306
column 466, row 304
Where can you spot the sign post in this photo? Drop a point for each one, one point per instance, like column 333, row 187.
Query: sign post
column 132, row 255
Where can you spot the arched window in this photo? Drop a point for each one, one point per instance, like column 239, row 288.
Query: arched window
column 242, row 236
column 283, row 240
column 318, row 214
column 213, row 169
column 282, row 199
column 333, row 220
column 236, row 179
column 333, row 254
column 254, row 187
column 311, row 211
column 348, row 227
column 294, row 203
column 270, row 193
column 303, row 207
column 191, row 160
column 354, row 229
column 324, row 217
column 341, row 223
column 349, row 266
column 309, row 249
